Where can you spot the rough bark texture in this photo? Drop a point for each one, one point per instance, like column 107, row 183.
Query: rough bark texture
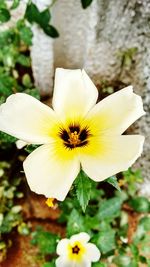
column 111, row 40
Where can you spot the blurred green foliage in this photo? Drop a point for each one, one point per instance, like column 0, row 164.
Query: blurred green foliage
column 10, row 212
column 45, row 240
column 33, row 15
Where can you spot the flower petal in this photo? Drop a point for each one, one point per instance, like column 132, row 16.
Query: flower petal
column 82, row 237
column 26, row 118
column 74, row 93
column 92, row 253
column 63, row 262
column 115, row 113
column 109, row 155
column 62, row 247
column 84, row 263
column 51, row 170
column 20, row 144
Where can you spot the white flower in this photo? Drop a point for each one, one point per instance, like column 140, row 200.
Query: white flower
column 77, row 133
column 76, row 252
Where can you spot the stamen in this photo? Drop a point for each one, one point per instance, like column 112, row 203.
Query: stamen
column 50, row 202
column 74, row 138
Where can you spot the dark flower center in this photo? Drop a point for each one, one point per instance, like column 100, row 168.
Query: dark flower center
column 74, row 136
column 75, row 250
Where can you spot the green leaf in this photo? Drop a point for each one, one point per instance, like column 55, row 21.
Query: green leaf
column 4, row 15
column 26, row 80
column 7, row 83
column 46, row 241
column 83, row 186
column 122, row 261
column 132, row 177
column 31, row 148
column 15, row 4
column 7, row 138
column 92, row 223
column 145, row 222
column 106, row 241
column 25, row 32
column 99, row 264
column 113, row 181
column 135, row 251
column 23, row 60
column 23, row 229
column 140, row 204
column 10, row 220
column 86, row 3
column 3, row 4
column 110, row 208
column 45, row 17
column 32, row 14
column 75, row 223
column 148, row 262
column 33, row 92
column 142, row 259
column 51, row 31
column 48, row 264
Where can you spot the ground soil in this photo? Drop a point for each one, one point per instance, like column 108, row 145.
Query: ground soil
column 36, row 213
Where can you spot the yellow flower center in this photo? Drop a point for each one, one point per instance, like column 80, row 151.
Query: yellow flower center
column 74, row 136
column 76, row 251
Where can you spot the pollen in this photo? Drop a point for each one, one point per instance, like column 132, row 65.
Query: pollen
column 74, row 139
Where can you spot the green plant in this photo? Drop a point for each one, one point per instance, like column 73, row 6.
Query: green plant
column 10, row 212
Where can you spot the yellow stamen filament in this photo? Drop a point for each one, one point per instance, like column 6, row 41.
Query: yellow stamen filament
column 50, row 202
column 74, row 138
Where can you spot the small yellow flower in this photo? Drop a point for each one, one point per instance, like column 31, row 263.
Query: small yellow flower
column 76, row 251
column 77, row 133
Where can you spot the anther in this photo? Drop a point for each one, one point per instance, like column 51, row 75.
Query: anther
column 74, row 138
